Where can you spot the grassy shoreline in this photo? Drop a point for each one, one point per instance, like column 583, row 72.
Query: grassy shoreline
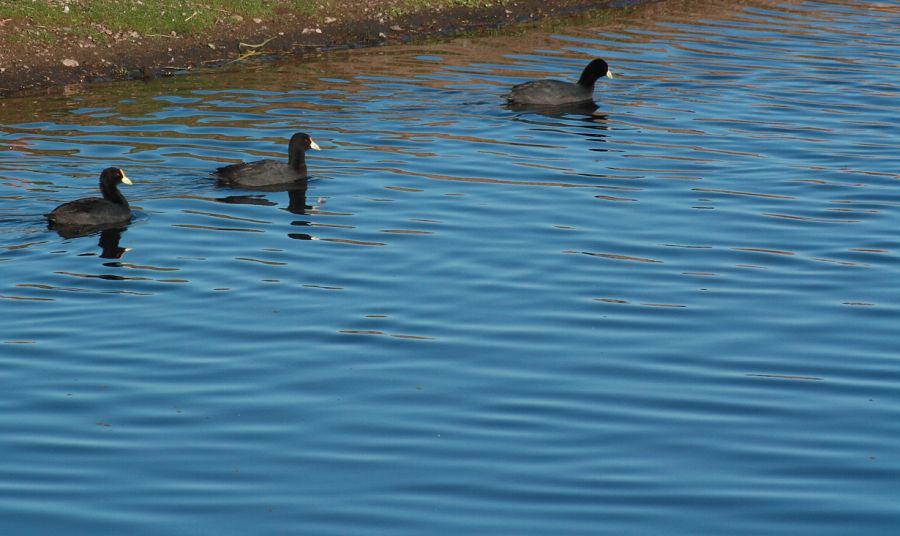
column 190, row 17
column 50, row 43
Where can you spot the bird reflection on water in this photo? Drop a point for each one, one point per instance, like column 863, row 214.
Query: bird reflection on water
column 585, row 116
column 297, row 203
column 110, row 236
column 558, row 111
column 109, row 244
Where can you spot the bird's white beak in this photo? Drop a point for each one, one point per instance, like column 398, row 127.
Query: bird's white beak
column 313, row 145
column 609, row 74
column 125, row 179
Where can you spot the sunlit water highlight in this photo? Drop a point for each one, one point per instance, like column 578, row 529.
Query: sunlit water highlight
column 676, row 315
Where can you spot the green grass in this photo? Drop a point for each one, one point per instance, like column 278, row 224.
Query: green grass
column 185, row 17
column 96, row 19
column 150, row 17
column 407, row 7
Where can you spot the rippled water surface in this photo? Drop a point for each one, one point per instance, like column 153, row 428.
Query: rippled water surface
column 676, row 315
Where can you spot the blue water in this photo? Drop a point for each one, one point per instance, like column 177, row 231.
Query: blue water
column 677, row 315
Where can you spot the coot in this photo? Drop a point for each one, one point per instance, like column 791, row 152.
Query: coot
column 557, row 92
column 93, row 211
column 270, row 172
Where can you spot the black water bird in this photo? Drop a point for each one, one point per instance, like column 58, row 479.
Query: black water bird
column 557, row 92
column 111, row 209
column 270, row 172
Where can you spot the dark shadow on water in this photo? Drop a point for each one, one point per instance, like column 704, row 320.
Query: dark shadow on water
column 246, row 200
column 553, row 118
column 297, row 202
column 110, row 236
column 296, row 197
column 559, row 111
column 297, row 205
column 109, row 244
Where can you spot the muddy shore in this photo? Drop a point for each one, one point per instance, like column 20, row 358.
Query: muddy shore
column 29, row 69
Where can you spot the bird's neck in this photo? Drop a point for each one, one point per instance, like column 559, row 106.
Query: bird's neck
column 297, row 160
column 112, row 193
column 586, row 81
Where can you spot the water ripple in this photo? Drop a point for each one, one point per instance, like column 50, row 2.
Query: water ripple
column 671, row 314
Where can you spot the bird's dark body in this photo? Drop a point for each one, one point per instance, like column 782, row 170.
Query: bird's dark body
column 260, row 173
column 550, row 92
column 270, row 173
column 89, row 211
column 111, row 209
column 557, row 92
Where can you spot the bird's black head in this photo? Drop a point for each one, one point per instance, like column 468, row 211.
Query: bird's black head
column 110, row 179
column 302, row 142
column 112, row 176
column 593, row 71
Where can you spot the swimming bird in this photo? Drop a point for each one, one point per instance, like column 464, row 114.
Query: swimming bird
column 93, row 211
column 270, row 172
column 557, row 92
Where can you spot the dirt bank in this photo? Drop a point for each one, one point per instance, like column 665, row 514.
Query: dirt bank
column 35, row 57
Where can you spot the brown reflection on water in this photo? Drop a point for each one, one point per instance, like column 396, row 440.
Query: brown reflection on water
column 808, row 219
column 735, row 192
column 617, row 257
column 214, row 228
column 252, row 201
column 620, row 301
column 785, row 377
column 487, row 180
column 398, row 62
column 25, row 298
column 376, row 332
column 768, row 251
column 406, row 231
